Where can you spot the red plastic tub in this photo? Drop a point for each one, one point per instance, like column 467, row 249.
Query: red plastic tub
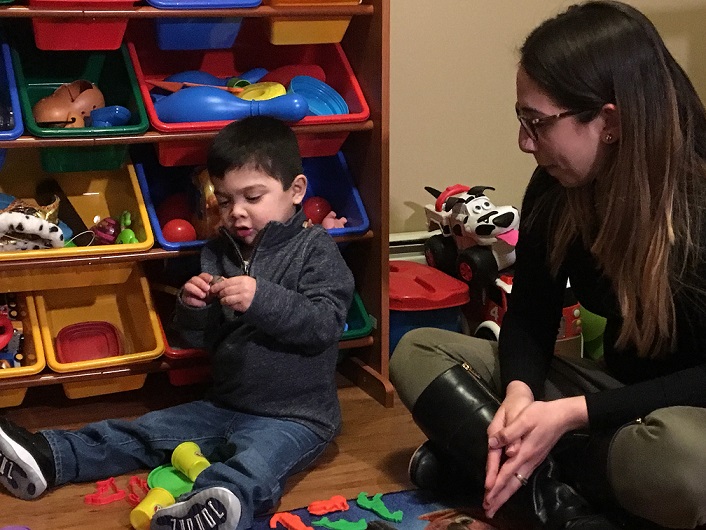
column 251, row 50
column 79, row 33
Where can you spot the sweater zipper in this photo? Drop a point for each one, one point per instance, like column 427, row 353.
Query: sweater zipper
column 246, row 265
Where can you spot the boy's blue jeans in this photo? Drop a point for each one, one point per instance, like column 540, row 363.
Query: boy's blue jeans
column 251, row 455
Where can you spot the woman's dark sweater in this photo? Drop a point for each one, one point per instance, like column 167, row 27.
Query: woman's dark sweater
column 530, row 326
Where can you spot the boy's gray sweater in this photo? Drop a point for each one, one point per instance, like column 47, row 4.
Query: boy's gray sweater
column 279, row 357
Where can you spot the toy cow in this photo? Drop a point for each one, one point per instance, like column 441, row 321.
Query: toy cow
column 477, row 237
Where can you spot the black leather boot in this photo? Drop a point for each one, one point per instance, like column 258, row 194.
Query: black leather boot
column 454, row 412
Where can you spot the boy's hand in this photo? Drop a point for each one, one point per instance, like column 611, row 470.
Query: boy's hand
column 196, row 291
column 236, row 292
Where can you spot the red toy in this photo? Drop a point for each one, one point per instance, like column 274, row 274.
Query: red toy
column 179, row 230
column 316, row 209
column 334, row 504
column 176, row 206
column 289, row 521
column 103, row 493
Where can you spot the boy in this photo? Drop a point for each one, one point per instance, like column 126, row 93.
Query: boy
column 270, row 305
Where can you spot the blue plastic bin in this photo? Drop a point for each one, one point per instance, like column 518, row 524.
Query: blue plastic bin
column 198, row 33
column 13, row 128
column 328, row 177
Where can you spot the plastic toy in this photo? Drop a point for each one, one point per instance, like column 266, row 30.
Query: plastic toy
column 106, row 230
column 206, row 220
column 316, row 209
column 179, row 230
column 134, row 484
column 334, row 504
column 126, row 235
column 284, row 74
column 69, row 105
column 188, row 459
column 175, row 206
column 107, row 491
column 173, row 86
column 289, row 521
column 341, row 524
column 113, row 116
column 204, row 103
column 262, row 91
column 478, row 238
column 141, row 515
column 376, row 505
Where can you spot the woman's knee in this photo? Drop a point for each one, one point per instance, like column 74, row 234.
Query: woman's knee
column 656, row 467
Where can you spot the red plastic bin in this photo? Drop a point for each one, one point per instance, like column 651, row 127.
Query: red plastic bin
column 79, row 33
column 251, row 50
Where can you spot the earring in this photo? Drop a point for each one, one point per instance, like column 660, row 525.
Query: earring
column 608, row 138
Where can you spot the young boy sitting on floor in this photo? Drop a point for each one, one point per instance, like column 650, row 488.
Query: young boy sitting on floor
column 270, row 305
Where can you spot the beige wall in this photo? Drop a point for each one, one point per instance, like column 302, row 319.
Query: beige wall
column 452, row 97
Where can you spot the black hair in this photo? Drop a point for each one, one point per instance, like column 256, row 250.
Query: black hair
column 260, row 142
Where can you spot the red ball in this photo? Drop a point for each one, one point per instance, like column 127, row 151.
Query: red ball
column 178, row 231
column 316, row 208
column 176, row 206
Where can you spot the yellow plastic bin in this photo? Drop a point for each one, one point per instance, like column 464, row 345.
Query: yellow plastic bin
column 33, row 360
column 90, row 194
column 126, row 308
column 308, row 30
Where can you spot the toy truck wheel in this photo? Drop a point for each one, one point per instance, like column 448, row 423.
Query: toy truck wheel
column 440, row 253
column 477, row 267
column 488, row 330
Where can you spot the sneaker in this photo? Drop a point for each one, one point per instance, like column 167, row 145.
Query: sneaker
column 26, row 461
column 213, row 508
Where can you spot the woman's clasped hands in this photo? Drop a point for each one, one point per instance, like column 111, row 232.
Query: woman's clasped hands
column 520, row 437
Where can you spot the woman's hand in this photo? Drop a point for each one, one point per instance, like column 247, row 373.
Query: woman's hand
column 531, row 434
column 196, row 290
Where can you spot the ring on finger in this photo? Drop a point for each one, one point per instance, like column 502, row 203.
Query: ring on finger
column 522, row 479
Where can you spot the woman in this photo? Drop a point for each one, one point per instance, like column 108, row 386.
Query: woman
column 617, row 206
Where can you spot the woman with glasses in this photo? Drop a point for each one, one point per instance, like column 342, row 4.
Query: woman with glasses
column 617, row 205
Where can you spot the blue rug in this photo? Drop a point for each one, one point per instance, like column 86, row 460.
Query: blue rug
column 419, row 512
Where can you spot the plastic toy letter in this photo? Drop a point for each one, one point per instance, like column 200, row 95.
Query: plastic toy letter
column 334, row 504
column 376, row 505
column 341, row 524
column 289, row 520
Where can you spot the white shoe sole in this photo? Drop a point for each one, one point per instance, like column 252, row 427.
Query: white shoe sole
column 19, row 471
column 213, row 508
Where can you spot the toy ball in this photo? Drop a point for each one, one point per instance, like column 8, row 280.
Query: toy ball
column 179, row 231
column 176, row 206
column 316, row 209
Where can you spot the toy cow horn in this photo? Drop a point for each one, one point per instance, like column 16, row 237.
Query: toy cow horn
column 433, row 191
column 477, row 191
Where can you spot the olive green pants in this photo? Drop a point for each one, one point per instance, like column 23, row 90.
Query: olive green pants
column 656, row 467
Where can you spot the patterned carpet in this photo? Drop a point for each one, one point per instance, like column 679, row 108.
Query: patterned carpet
column 404, row 510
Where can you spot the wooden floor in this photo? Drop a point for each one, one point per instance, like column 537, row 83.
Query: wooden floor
column 370, row 455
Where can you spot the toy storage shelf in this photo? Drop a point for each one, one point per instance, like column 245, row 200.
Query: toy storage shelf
column 366, row 149
column 47, row 377
column 157, row 137
column 152, row 12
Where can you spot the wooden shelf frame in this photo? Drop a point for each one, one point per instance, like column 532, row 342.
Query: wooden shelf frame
column 366, row 45
column 23, row 11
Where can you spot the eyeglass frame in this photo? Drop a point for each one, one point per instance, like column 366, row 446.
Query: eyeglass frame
column 530, row 124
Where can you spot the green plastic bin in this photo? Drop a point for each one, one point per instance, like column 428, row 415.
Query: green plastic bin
column 358, row 320
column 39, row 73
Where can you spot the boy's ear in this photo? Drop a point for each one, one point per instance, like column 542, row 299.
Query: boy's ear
column 298, row 188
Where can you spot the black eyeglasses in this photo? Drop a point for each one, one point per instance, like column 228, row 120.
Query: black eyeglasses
column 531, row 125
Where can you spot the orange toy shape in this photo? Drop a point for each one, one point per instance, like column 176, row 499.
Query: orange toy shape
column 69, row 105
column 334, row 504
column 289, row 521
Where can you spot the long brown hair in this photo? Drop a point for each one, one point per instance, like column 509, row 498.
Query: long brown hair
column 642, row 214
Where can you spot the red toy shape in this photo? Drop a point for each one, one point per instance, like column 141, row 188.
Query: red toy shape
column 289, row 521
column 176, row 206
column 316, row 209
column 107, row 491
column 179, row 230
column 336, row 503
